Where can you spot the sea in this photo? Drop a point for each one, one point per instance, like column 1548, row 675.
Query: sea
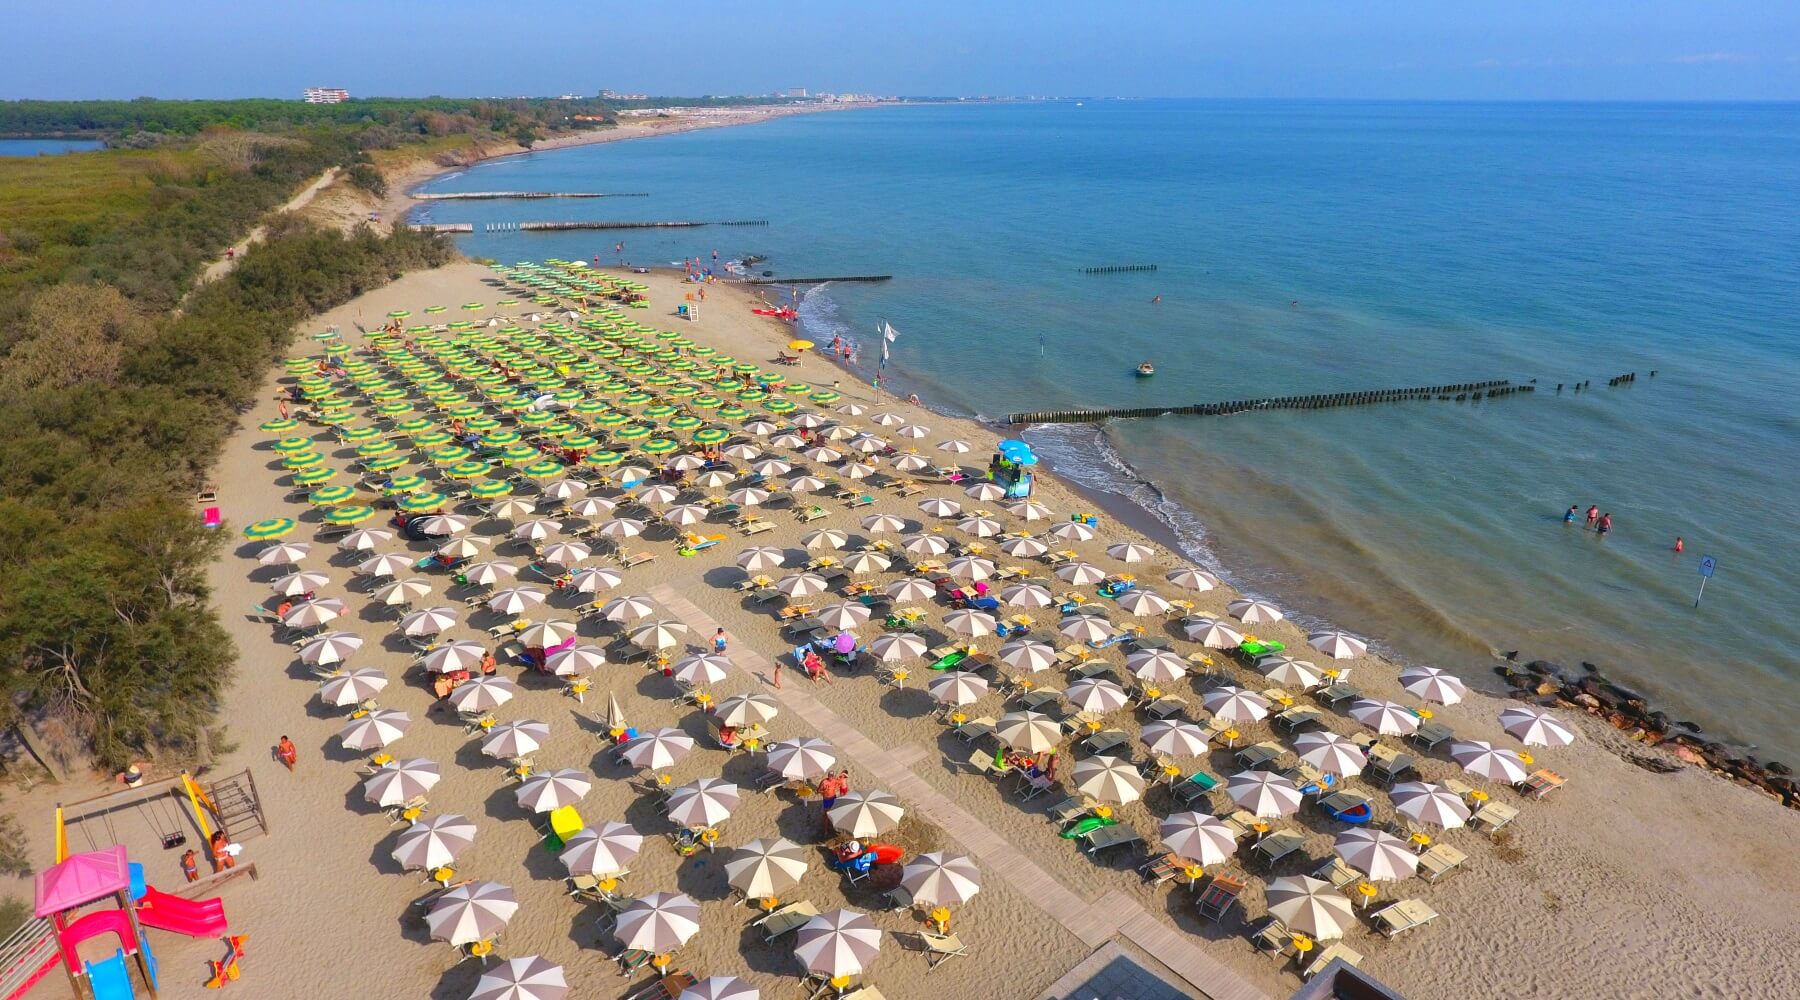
column 1324, row 247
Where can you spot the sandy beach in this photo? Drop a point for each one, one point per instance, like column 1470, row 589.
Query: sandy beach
column 1624, row 883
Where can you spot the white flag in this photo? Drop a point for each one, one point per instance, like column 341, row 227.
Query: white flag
column 888, row 332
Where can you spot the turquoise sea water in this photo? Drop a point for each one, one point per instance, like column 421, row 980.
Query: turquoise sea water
column 41, row 147
column 1314, row 247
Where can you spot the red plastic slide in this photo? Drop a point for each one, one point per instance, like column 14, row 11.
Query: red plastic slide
column 201, row 918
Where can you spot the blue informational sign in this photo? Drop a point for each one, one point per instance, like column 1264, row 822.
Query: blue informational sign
column 1707, row 565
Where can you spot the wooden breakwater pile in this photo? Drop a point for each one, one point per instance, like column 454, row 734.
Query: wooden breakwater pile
column 525, row 195
column 441, row 227
column 818, row 281
column 1118, row 268
column 1459, row 392
column 527, row 227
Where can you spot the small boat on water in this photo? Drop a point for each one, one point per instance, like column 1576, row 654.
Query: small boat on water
column 1146, row 370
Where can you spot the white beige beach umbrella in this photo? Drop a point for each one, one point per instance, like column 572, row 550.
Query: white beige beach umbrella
column 1198, row 838
column 802, row 585
column 1331, row 753
column 888, row 419
column 825, row 539
column 1085, row 628
column 461, row 548
column 1026, row 595
column 1156, row 666
column 892, row 647
column 627, row 609
column 843, row 616
column 745, row 709
column 1432, row 684
column 1027, row 655
column 574, row 661
column 352, row 687
column 1131, row 552
column 514, row 740
column 702, row 670
column 564, row 553
column 657, row 922
column 1310, row 906
column 440, row 525
column 547, row 790
column 1108, row 779
column 453, row 656
column 401, row 593
column 1024, row 548
column 1032, row 732
column 840, row 432
column 912, row 432
column 925, row 545
column 660, row 493
column 511, row 509
column 1235, row 704
column 615, row 713
column 544, row 635
column 286, row 554
column 592, row 507
column 720, row 988
column 912, row 588
column 823, row 455
column 1289, row 672
column 303, row 582
column 685, row 463
column 883, row 524
column 1080, row 574
column 760, row 558
column 766, row 867
column 972, row 568
column 487, row 574
column 401, row 782
column 1433, row 805
column 375, row 730
column 853, row 409
column 1484, row 760
column 866, row 814
column 839, row 943
column 1378, row 854
column 705, row 802
column 529, row 978
column 805, row 484
column 1030, row 510
column 1385, row 717
column 483, row 694
column 980, row 527
column 788, row 439
column 384, row 565
column 1096, row 695
column 940, row 507
column 332, row 647
column 912, row 463
column 659, row 634
column 1144, row 603
column 1073, row 531
column 749, row 496
column 769, row 468
column 312, row 614
column 804, row 758
column 969, row 622
column 621, row 527
column 867, row 561
column 658, row 749
column 1337, row 645
column 1192, row 579
column 956, row 446
column 1254, row 611
column 537, row 531
column 712, row 479
column 985, row 492
column 515, row 600
column 595, row 579
column 470, row 913
column 1214, row 634
column 1263, row 794
column 957, row 689
column 856, row 470
column 434, row 842
column 365, row 540
column 1175, row 738
column 602, row 851
column 428, row 621
column 939, row 879
column 566, row 489
column 1535, row 727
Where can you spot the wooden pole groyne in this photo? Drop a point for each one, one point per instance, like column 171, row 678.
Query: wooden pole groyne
column 818, row 281
column 1117, row 268
column 515, row 227
column 441, row 227
column 526, row 195
column 1459, row 392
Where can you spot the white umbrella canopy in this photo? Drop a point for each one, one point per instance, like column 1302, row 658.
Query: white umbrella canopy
column 549, row 790
column 867, row 561
column 857, row 470
column 661, row 493
column 766, row 867
column 787, row 440
column 461, row 548
column 1337, row 645
column 1032, row 732
column 515, row 600
column 687, row 463
column 1073, row 531
column 957, row 689
column 939, row 879
column 706, row 802
column 985, row 492
column 812, row 420
column 1535, row 727
column 513, row 740
column 658, row 922
column 658, row 749
column 1131, row 552
column 659, row 634
column 352, row 687
column 1108, row 779
column 1252, row 611
column 311, row 614
column 428, row 621
column 912, row 463
column 1309, row 905
column 303, row 582
column 1433, row 805
column 1097, row 695
column 1156, row 666
column 529, row 978
column 434, row 842
column 332, row 647
column 1023, row 547
column 748, row 496
column 453, row 656
column 1289, row 672
column 745, row 709
column 956, row 446
column 925, row 545
column 837, row 943
column 1030, row 510
column 289, row 553
column 712, row 479
column 802, row 759
column 802, row 585
column 1263, row 794
column 721, row 988
column 445, row 524
column 1175, row 738
column 1192, row 579
column 1432, row 684
column 883, row 524
column 1484, row 760
column 375, row 730
column 843, row 616
column 912, row 432
column 365, row 540
column 853, row 409
column 940, row 507
column 843, row 432
column 564, row 553
column 630, row 475
column 482, row 694
column 1028, row 656
column 825, row 539
column 544, row 635
column 401, row 782
column 1144, row 603
column 1378, row 854
column 1213, row 634
column 487, row 574
column 627, row 609
column 1331, row 753
column 1080, row 574
column 971, row 568
column 892, row 647
column 1385, row 717
column 969, row 622
column 595, row 580
column 470, row 913
column 1026, row 595
column 1199, row 838
column 1085, row 628
column 536, row 531
column 511, row 509
column 771, row 467
column 760, row 428
column 805, row 484
column 603, row 850
column 702, row 669
column 759, row 558
column 566, row 489
column 621, row 527
column 593, row 507
column 822, row 454
column 385, row 564
column 866, row 814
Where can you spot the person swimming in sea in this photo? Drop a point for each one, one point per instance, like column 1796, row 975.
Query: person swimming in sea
column 1573, row 514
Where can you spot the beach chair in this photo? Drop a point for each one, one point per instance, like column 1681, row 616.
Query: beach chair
column 1106, row 741
column 1430, row 735
column 974, row 730
column 809, row 513
column 1067, row 809
column 1278, row 845
column 1194, row 787
column 1337, row 694
column 1261, row 755
column 1034, row 785
column 1337, row 873
column 1388, row 769
column 1541, row 783
column 1118, row 835
column 1493, row 817
column 1440, row 862
column 1166, row 706
column 1161, row 868
column 1273, row 938
column 1403, row 916
column 1335, row 950
column 1219, row 897
column 898, row 898
column 1297, row 718
column 757, row 527
column 670, row 986
column 940, row 948
column 982, row 762
column 785, row 920
column 630, row 559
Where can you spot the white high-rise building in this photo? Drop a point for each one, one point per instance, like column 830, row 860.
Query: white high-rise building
column 324, row 95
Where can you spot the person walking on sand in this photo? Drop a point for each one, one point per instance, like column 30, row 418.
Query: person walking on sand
column 287, row 753
column 1593, row 516
column 719, row 642
column 777, row 674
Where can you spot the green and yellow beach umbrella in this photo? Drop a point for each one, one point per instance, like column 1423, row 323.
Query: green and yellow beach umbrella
column 393, row 408
column 303, row 460
column 271, row 529
column 580, row 442
column 684, row 423
column 405, row 484
column 377, row 448
column 660, row 411
column 450, row 453
column 482, row 425
column 325, row 496
column 415, row 426
column 500, row 439
column 463, row 411
column 536, row 418
column 711, row 435
column 293, row 445
column 611, row 418
column 467, row 470
column 354, row 514
column 634, row 399
column 335, row 349
column 399, row 313
column 659, row 446
column 435, row 309
column 351, row 435
column 490, row 489
column 733, row 412
column 545, row 469
column 706, row 401
column 381, row 463
column 588, row 408
column 519, row 454
column 780, row 406
column 315, row 476
column 280, row 426
column 824, row 396
column 632, row 432
column 473, row 305
column 431, row 439
column 753, row 396
column 298, row 365
column 418, row 503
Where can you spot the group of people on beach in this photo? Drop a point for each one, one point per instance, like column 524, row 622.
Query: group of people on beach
column 1595, row 521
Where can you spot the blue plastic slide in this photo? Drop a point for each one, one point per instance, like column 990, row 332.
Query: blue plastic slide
column 110, row 980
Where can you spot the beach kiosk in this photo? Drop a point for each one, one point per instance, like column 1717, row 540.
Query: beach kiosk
column 1011, row 468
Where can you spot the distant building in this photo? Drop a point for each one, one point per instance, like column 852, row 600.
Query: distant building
column 794, row 92
column 616, row 96
column 324, row 95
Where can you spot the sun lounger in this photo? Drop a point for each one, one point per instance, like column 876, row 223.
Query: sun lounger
column 1335, row 950
column 1430, row 735
column 1261, row 755
column 1039, row 700
column 1278, row 845
column 974, row 730
column 1219, row 897
column 1337, row 873
column 1541, row 783
column 787, row 919
column 630, row 559
column 1493, row 817
column 1194, row 787
column 863, row 993
column 1273, row 938
column 1107, row 740
column 1161, row 868
column 1337, row 694
column 756, row 527
column 940, row 948
column 982, row 762
column 670, row 986
column 908, row 488
column 1403, row 916
column 1067, row 809
column 1240, row 822
column 1388, row 767
column 1091, row 670
column 1297, row 718
column 1116, row 835
column 810, row 513
column 1440, row 862
column 1164, row 707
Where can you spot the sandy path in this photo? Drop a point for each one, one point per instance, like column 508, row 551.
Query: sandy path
column 224, row 264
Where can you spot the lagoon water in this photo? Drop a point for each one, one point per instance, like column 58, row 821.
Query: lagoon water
column 1318, row 247
column 47, row 147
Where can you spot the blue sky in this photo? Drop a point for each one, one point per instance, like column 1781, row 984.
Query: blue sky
column 1449, row 49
